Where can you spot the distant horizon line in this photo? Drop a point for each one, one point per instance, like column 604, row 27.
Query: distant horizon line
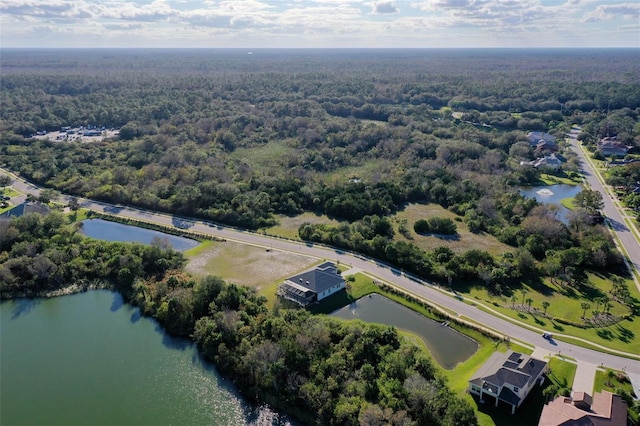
column 322, row 48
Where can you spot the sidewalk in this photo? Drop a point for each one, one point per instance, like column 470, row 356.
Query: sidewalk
column 635, row 383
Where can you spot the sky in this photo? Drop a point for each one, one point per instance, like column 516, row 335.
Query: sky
column 319, row 23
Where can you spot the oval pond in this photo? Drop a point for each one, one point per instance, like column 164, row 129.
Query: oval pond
column 447, row 346
column 101, row 229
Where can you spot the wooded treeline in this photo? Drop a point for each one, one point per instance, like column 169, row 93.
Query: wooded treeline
column 41, row 254
column 239, row 138
column 317, row 368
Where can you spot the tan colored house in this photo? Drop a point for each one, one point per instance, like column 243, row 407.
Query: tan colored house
column 507, row 378
column 604, row 409
column 610, row 146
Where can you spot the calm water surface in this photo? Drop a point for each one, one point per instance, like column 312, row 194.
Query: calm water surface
column 87, row 359
column 446, row 345
column 112, row 231
column 553, row 194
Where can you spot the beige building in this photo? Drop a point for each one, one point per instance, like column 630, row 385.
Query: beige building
column 604, row 409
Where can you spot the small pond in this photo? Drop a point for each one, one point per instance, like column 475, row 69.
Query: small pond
column 552, row 194
column 112, row 231
column 447, row 346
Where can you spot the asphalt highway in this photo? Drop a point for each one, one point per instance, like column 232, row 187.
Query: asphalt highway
column 376, row 270
column 612, row 213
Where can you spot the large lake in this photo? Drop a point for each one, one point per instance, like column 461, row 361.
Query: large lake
column 447, row 346
column 113, row 231
column 88, row 359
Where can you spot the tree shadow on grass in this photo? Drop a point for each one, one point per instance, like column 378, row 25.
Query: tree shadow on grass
column 605, row 334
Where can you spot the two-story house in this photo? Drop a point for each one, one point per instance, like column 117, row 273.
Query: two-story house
column 508, row 378
column 312, row 286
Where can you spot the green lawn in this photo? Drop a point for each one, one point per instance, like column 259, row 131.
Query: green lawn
column 564, row 303
column 619, row 381
column 548, row 179
column 9, row 192
column 78, row 215
column 562, row 372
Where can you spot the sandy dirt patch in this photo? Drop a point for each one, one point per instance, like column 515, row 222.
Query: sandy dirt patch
column 247, row 265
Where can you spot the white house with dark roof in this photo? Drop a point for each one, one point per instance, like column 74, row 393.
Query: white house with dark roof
column 507, row 377
column 312, row 286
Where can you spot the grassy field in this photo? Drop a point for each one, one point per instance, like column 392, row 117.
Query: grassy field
column 464, row 241
column 287, row 226
column 246, row 265
column 566, row 304
column 548, row 179
column 267, row 155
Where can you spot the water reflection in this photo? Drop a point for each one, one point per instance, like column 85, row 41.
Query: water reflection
column 447, row 346
column 112, row 231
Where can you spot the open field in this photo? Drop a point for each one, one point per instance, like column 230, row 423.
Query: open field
column 287, row 226
column 263, row 156
column 246, row 265
column 464, row 241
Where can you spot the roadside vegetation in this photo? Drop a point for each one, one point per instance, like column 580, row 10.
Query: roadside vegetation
column 317, row 368
column 414, row 162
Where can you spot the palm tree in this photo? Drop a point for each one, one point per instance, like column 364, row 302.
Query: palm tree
column 545, row 305
column 584, row 306
column 513, row 301
column 610, row 375
column 529, row 302
column 524, row 293
column 598, row 301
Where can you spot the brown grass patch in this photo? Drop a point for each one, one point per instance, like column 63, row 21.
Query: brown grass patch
column 465, row 240
column 287, row 226
column 247, row 265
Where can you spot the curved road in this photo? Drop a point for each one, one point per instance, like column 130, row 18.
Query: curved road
column 612, row 213
column 372, row 268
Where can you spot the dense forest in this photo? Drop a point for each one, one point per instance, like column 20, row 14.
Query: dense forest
column 320, row 369
column 356, row 135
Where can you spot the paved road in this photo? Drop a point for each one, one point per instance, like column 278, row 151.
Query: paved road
column 613, row 214
column 374, row 269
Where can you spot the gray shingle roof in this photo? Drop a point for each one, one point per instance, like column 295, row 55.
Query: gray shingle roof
column 320, row 279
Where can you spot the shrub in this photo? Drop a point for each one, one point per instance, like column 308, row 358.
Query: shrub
column 435, row 225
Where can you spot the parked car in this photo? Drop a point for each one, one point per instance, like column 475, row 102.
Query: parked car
column 547, row 336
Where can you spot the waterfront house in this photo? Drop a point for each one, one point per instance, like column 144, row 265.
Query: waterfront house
column 507, row 378
column 312, row 286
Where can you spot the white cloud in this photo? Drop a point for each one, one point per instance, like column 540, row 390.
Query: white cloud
column 384, row 7
column 612, row 11
column 338, row 23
